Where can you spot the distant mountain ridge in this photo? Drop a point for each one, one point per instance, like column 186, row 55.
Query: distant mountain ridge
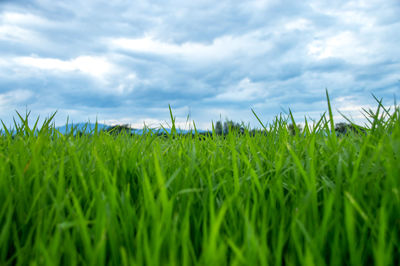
column 86, row 127
column 89, row 127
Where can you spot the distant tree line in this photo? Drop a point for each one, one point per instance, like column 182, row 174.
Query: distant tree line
column 345, row 128
column 340, row 128
column 118, row 129
column 223, row 128
column 228, row 126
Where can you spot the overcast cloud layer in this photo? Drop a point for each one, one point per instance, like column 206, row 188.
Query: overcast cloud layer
column 125, row 61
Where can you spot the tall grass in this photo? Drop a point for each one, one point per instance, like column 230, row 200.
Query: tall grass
column 312, row 198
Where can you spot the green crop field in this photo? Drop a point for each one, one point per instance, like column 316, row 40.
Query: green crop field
column 271, row 198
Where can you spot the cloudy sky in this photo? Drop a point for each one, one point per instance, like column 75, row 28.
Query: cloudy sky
column 124, row 61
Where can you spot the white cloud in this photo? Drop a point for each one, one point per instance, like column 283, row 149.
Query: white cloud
column 97, row 67
column 349, row 104
column 353, row 13
column 25, row 19
column 246, row 90
column 126, row 84
column 344, row 45
column 19, row 34
column 15, row 97
column 259, row 4
column 221, row 48
column 110, row 78
column 298, row 24
column 3, row 62
column 24, row 28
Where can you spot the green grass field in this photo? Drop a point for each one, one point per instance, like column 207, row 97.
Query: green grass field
column 312, row 198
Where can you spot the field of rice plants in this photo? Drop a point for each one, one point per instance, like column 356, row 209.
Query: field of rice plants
column 270, row 198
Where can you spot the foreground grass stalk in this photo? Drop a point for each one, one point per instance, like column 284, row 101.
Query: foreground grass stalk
column 312, row 197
